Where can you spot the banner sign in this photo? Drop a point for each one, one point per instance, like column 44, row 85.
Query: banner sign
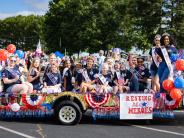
column 136, row 106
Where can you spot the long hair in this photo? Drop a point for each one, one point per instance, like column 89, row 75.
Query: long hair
column 171, row 40
column 32, row 65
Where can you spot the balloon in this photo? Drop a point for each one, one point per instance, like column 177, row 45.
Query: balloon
column 59, row 54
column 15, row 107
column 180, row 64
column 179, row 83
column 176, row 94
column 20, row 54
column 3, row 55
column 173, row 57
column 168, row 84
column 11, row 48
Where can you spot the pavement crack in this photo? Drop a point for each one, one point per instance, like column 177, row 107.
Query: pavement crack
column 40, row 131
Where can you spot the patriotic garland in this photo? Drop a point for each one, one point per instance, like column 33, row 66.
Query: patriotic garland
column 95, row 100
column 161, row 101
column 32, row 101
column 171, row 104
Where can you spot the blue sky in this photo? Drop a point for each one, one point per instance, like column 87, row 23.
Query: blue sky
column 24, row 7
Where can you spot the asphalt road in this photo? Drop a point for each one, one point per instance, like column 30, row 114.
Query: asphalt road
column 49, row 128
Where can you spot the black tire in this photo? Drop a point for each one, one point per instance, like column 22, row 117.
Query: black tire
column 68, row 113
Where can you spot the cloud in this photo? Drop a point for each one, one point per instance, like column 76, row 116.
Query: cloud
column 38, row 4
column 24, row 13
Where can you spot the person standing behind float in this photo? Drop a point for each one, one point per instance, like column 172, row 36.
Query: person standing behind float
column 155, row 63
column 101, row 59
column 11, row 78
column 165, row 69
column 52, row 60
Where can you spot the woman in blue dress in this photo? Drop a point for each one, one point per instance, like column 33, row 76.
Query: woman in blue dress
column 52, row 79
column 165, row 69
column 34, row 74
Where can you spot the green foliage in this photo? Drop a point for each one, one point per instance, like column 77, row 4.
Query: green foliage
column 23, row 31
column 81, row 24
column 90, row 25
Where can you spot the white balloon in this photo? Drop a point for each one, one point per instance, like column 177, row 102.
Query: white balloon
column 15, row 107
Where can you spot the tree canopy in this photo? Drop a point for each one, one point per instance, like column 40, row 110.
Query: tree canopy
column 91, row 25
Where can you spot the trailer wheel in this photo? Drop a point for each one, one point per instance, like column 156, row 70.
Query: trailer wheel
column 68, row 113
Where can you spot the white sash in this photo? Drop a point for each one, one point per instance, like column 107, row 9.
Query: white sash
column 102, row 79
column 64, row 72
column 118, row 74
column 168, row 62
column 85, row 75
column 154, row 56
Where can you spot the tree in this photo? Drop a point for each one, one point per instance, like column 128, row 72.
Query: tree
column 147, row 19
column 81, row 24
column 23, row 31
column 173, row 20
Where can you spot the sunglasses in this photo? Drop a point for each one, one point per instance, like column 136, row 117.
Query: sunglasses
column 12, row 60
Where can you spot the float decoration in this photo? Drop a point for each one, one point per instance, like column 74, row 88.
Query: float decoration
column 96, row 100
column 32, row 101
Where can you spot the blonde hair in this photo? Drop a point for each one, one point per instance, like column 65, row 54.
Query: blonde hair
column 52, row 54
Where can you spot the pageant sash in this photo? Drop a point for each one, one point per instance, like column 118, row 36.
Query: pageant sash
column 168, row 62
column 102, row 79
column 14, row 73
column 64, row 72
column 85, row 75
column 52, row 78
column 118, row 74
column 154, row 56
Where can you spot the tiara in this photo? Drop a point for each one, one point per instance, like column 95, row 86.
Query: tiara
column 165, row 34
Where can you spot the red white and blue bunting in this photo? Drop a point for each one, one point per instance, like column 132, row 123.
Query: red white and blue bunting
column 32, row 101
column 95, row 100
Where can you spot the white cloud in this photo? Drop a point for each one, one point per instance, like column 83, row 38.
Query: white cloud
column 38, row 4
column 24, row 13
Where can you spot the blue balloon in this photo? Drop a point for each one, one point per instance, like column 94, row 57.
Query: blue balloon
column 179, row 83
column 173, row 57
column 59, row 54
column 19, row 53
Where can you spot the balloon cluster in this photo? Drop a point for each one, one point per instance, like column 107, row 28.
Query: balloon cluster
column 174, row 87
column 10, row 49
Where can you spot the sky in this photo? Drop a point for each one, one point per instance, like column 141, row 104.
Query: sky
column 10, row 8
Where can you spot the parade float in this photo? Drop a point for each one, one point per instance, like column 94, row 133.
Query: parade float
column 69, row 107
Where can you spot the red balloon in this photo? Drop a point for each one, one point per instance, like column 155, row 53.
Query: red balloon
column 11, row 48
column 176, row 94
column 180, row 64
column 168, row 84
column 3, row 55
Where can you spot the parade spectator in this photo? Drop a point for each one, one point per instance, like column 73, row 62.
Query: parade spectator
column 101, row 59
